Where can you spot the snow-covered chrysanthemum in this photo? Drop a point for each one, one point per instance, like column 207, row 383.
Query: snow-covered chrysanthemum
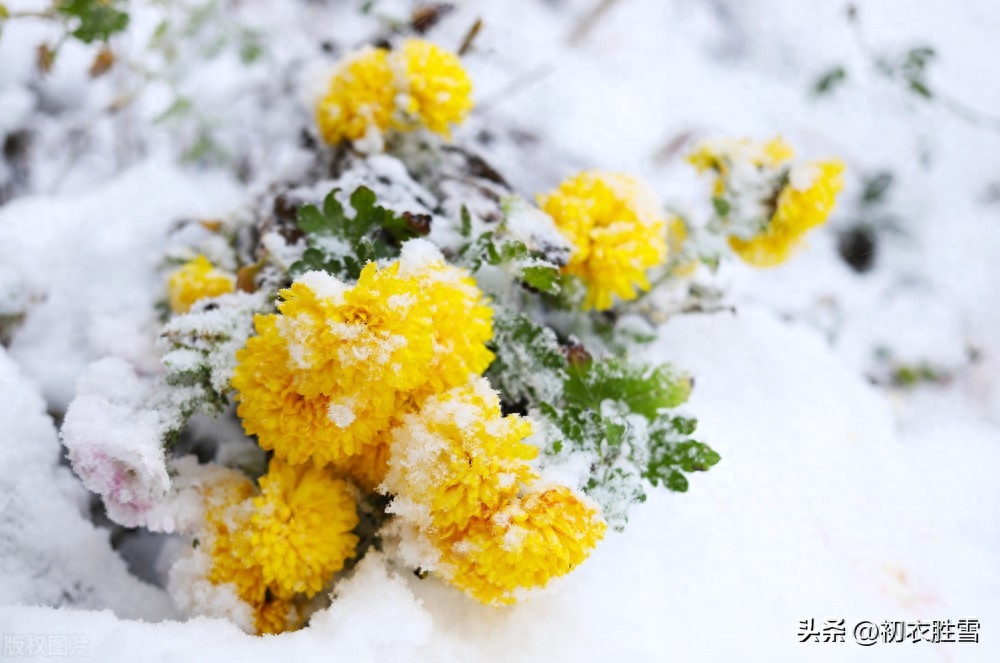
column 323, row 379
column 197, row 279
column 437, row 92
column 458, row 458
column 542, row 535
column 259, row 554
column 803, row 204
column 218, row 576
column 360, row 99
column 418, row 85
column 472, row 509
column 768, row 204
column 617, row 230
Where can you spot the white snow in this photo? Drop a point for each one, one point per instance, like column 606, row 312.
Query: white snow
column 50, row 552
column 834, row 498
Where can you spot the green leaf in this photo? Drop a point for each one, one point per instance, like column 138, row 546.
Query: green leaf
column 160, row 32
column 363, row 201
column 921, row 89
column 919, row 57
column 643, row 389
column 876, row 188
column 721, row 205
column 830, row 80
column 542, row 278
column 466, row 229
column 529, row 364
column 676, row 482
column 251, row 46
column 97, row 19
column 4, row 13
column 180, row 107
column 347, row 243
column 669, row 458
column 312, row 221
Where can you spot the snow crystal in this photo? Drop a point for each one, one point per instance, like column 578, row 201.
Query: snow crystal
column 401, row 301
column 195, row 594
column 372, row 142
column 416, row 255
column 280, row 251
column 341, row 413
column 802, row 175
column 326, row 286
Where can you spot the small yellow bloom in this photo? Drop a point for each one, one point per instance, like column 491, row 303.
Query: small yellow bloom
column 417, row 85
column 196, row 280
column 458, row 458
column 227, row 536
column 798, row 210
column 361, row 98
column 793, row 208
column 300, row 530
column 538, row 537
column 438, row 91
column 617, row 231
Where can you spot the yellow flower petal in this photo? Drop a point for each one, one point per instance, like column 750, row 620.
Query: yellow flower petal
column 195, row 280
column 617, row 230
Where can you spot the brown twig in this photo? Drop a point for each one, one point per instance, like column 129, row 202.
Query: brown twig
column 590, row 21
column 470, row 37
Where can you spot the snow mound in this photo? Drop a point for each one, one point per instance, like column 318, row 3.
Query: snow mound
column 50, row 553
column 816, row 511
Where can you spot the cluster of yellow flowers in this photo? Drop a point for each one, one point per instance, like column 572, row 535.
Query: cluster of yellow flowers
column 415, row 85
column 380, row 384
column 279, row 545
column 325, row 380
column 197, row 279
column 617, row 230
column 803, row 200
column 460, row 474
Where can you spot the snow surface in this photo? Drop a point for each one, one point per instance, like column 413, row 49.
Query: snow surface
column 834, row 498
column 819, row 510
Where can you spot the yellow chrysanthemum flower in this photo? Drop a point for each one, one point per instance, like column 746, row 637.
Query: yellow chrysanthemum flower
column 463, row 325
column 277, row 616
column 367, row 469
column 227, row 513
column 418, row 85
column 197, row 279
column 361, row 98
column 438, row 91
column 538, row 537
column 300, row 530
column 459, row 458
column 229, row 509
column 617, row 231
column 322, row 380
column 799, row 209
